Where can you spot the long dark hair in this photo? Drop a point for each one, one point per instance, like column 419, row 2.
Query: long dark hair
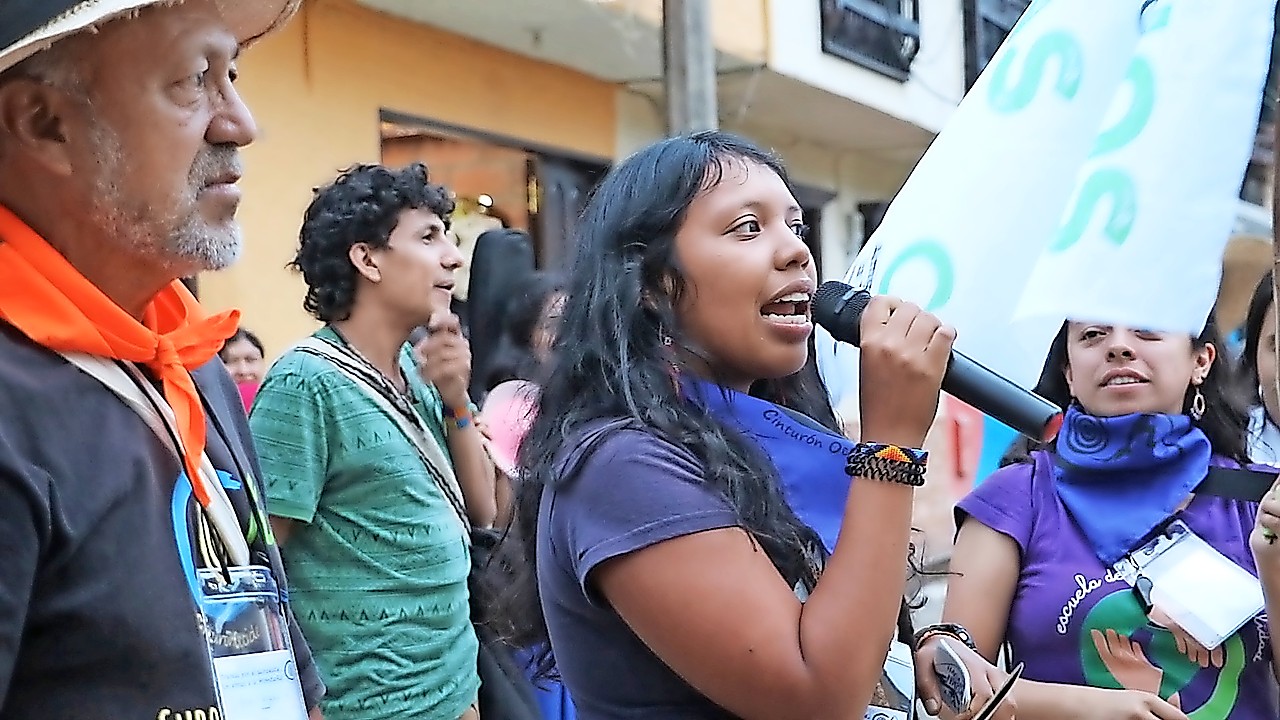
column 514, row 358
column 610, row 361
column 1225, row 421
column 501, row 260
column 1259, row 306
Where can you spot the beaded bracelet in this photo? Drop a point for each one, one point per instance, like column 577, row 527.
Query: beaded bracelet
column 888, row 463
column 461, row 419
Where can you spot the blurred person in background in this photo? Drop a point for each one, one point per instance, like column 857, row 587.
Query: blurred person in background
column 511, row 388
column 246, row 360
column 1258, row 373
column 522, row 357
column 501, row 262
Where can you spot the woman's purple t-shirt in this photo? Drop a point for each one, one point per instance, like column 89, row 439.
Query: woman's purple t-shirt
column 1073, row 621
column 623, row 489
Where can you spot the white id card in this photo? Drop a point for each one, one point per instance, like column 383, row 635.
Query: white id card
column 1199, row 588
column 248, row 637
column 895, row 696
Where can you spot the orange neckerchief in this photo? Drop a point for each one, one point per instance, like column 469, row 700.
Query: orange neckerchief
column 49, row 301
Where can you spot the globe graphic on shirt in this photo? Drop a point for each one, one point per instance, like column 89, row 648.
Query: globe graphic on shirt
column 1122, row 649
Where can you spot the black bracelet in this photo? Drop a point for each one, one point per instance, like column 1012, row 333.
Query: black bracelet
column 953, row 630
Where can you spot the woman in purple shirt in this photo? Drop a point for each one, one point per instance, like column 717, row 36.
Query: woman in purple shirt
column 1147, row 414
column 674, row 580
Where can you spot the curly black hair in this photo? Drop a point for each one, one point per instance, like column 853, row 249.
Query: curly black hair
column 362, row 205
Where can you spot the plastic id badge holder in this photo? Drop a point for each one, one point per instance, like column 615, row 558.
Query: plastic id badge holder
column 248, row 637
column 1199, row 588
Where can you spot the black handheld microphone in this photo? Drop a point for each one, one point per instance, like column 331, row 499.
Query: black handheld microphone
column 838, row 308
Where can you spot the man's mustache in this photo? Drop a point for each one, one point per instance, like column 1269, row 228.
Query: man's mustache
column 216, row 163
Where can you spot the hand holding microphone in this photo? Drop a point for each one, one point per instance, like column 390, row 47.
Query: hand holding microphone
column 904, row 356
column 854, row 316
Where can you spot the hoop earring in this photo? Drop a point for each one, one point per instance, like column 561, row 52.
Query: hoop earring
column 1198, row 405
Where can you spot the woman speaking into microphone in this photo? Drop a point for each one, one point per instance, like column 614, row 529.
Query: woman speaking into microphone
column 673, row 577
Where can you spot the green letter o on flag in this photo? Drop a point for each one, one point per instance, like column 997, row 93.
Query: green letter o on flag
column 935, row 254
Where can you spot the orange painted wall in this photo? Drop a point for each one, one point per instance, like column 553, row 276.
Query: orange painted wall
column 316, row 90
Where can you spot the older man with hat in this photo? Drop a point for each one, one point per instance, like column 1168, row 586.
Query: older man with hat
column 138, row 576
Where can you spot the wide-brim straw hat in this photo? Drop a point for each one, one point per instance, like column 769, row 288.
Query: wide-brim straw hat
column 29, row 26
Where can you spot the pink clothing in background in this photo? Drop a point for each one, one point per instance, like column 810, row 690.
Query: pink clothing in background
column 247, row 392
column 508, row 412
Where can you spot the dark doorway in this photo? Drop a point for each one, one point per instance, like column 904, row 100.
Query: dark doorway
column 563, row 186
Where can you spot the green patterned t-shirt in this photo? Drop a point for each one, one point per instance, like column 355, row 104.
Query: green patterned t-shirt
column 378, row 569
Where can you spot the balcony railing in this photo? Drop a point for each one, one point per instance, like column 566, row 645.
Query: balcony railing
column 881, row 35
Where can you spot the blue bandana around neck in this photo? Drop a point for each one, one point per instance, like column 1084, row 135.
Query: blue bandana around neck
column 1122, row 477
column 810, row 459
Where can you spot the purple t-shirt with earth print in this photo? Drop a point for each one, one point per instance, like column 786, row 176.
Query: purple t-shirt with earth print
column 1074, row 621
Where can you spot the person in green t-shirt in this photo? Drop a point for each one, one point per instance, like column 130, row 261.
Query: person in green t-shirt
column 372, row 462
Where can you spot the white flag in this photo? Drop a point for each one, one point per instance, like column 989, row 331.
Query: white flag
column 1141, row 241
column 1081, row 93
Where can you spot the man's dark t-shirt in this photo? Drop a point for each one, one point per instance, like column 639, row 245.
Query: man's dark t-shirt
column 97, row 619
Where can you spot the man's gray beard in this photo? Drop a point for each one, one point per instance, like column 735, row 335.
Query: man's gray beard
column 174, row 238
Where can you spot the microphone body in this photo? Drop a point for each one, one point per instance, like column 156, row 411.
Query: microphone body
column 838, row 308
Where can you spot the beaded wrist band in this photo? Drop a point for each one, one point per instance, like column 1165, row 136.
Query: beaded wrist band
column 461, row 418
column 888, row 463
column 951, row 630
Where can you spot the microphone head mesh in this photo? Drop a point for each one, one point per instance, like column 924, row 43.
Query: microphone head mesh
column 826, row 302
column 835, row 299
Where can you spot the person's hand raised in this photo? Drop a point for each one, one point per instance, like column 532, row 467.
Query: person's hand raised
column 904, row 354
column 444, row 358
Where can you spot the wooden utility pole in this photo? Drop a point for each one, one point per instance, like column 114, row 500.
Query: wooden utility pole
column 689, row 66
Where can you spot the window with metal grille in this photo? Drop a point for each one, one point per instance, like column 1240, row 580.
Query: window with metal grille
column 882, row 35
column 987, row 23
